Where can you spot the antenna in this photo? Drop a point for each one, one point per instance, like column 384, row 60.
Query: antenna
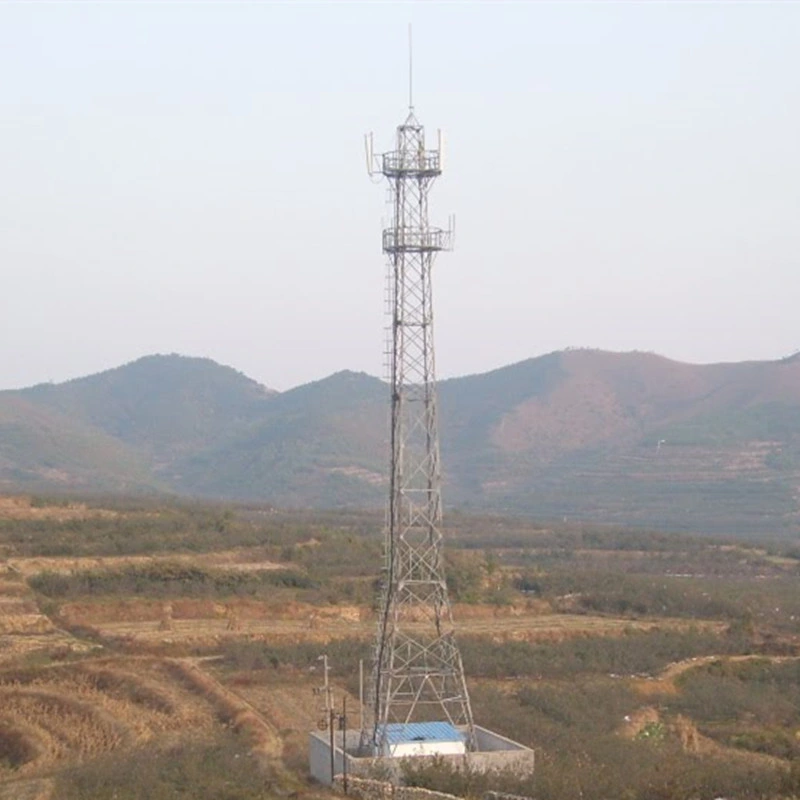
column 368, row 152
column 410, row 70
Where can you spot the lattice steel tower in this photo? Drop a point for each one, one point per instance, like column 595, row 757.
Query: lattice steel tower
column 417, row 673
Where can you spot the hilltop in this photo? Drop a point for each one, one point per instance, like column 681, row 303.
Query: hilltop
column 624, row 438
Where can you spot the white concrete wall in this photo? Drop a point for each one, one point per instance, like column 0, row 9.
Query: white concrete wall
column 495, row 752
column 319, row 757
column 489, row 741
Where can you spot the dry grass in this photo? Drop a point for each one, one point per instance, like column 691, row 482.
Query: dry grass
column 14, row 647
column 206, row 623
column 68, row 713
column 55, row 716
column 21, row 507
column 241, row 560
column 24, row 629
column 139, row 609
column 25, row 624
column 266, row 744
column 33, row 789
column 293, row 709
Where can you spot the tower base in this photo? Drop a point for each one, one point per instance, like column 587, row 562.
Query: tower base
column 493, row 752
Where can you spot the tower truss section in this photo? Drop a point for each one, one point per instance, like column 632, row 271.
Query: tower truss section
column 417, row 671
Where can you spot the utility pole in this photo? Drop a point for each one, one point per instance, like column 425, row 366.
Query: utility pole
column 332, row 729
column 344, row 743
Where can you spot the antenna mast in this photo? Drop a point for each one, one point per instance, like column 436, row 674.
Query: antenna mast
column 417, row 672
column 410, row 70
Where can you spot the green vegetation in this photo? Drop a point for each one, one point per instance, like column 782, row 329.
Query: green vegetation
column 302, row 657
column 634, row 653
column 138, row 529
column 158, row 402
column 734, row 599
column 633, row 595
column 753, row 704
column 615, row 768
column 222, row 769
column 581, row 754
column 166, row 580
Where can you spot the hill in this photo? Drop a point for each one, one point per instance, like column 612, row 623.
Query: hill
column 120, row 429
column 41, row 448
column 159, row 403
column 632, row 438
column 320, row 444
column 623, row 438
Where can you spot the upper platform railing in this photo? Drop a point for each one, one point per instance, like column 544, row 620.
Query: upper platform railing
column 414, row 240
column 412, row 164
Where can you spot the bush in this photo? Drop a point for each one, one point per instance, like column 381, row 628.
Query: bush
column 632, row 653
column 165, row 580
column 222, row 769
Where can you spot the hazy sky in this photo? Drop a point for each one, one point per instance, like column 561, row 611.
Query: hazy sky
column 189, row 177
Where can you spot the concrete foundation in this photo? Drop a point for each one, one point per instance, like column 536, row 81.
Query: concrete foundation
column 493, row 753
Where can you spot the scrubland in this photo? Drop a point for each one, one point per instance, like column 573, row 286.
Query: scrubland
column 171, row 650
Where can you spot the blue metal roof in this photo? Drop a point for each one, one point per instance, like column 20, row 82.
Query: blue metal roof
column 399, row 733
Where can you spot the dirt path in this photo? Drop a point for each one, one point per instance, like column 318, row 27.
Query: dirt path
column 664, row 682
column 686, row 730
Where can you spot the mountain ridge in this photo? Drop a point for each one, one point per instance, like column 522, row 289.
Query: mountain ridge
column 625, row 438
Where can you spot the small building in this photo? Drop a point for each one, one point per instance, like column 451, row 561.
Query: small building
column 403, row 740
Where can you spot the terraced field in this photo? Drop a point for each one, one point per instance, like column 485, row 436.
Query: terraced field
column 76, row 711
column 119, row 655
